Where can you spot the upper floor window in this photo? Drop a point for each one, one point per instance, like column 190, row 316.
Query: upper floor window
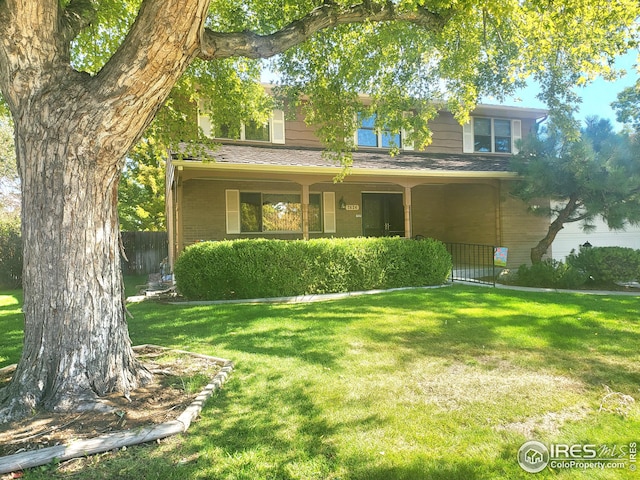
column 369, row 136
column 271, row 131
column 491, row 135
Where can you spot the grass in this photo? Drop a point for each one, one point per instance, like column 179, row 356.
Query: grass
column 422, row 384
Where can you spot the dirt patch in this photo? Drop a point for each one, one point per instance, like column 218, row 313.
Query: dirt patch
column 178, row 379
column 547, row 424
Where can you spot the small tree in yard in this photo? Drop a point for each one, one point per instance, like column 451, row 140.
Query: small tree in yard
column 84, row 79
column 596, row 175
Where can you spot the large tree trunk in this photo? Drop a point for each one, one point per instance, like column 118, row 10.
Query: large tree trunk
column 72, row 133
column 76, row 345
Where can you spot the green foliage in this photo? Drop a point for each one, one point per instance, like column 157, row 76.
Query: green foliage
column 10, row 254
column 600, row 172
column 607, row 265
column 481, row 50
column 484, row 50
column 141, row 189
column 628, row 106
column 596, row 175
column 275, row 268
column 550, row 274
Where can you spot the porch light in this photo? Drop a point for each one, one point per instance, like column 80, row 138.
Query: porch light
column 342, row 204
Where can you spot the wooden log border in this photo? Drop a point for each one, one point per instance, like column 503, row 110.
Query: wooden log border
column 125, row 438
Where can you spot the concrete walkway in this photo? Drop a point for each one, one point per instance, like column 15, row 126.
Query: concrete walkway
column 338, row 296
column 631, row 293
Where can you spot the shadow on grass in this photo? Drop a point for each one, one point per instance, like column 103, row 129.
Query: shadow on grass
column 422, row 470
column 593, row 337
column 269, row 421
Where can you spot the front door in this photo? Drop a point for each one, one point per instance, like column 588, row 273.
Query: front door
column 382, row 215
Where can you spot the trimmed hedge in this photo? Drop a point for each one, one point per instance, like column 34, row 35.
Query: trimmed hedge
column 278, row 268
column 606, row 265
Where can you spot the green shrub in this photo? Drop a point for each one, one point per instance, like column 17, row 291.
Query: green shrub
column 10, row 254
column 607, row 265
column 550, row 274
column 275, row 268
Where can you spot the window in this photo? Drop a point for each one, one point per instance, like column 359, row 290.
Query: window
column 257, row 132
column 270, row 131
column 368, row 136
column 315, row 212
column 271, row 212
column 491, row 135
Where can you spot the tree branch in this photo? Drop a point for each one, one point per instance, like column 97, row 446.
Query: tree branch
column 78, row 15
column 251, row 45
column 137, row 79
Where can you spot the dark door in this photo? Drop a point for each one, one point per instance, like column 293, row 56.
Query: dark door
column 382, row 215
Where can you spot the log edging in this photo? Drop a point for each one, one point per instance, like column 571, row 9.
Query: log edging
column 125, row 438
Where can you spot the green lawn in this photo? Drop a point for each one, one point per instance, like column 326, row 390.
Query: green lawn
column 423, row 384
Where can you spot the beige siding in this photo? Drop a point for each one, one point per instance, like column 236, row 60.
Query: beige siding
column 299, row 134
column 447, row 135
column 521, row 230
column 428, row 211
column 470, row 214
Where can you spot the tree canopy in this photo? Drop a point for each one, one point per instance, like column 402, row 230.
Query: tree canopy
column 141, row 189
column 404, row 55
column 596, row 175
column 627, row 106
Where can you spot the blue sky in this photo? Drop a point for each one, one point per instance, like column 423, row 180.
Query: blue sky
column 596, row 97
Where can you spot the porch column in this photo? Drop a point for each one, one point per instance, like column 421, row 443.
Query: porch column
column 179, row 245
column 407, row 212
column 305, row 211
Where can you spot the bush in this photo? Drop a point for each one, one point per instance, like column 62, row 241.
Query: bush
column 550, row 274
column 607, row 265
column 10, row 254
column 275, row 268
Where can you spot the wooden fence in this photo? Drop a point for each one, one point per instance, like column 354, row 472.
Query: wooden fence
column 145, row 252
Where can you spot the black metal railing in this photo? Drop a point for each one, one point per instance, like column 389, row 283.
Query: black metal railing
column 473, row 263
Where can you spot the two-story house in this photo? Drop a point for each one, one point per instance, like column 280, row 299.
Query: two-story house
column 274, row 182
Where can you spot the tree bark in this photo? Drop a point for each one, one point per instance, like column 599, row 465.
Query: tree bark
column 72, row 133
column 565, row 216
column 76, row 344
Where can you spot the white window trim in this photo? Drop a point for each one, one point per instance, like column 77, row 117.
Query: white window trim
column 468, row 141
column 276, row 128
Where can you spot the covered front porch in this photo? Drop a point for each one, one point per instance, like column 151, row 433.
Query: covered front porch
column 453, row 199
